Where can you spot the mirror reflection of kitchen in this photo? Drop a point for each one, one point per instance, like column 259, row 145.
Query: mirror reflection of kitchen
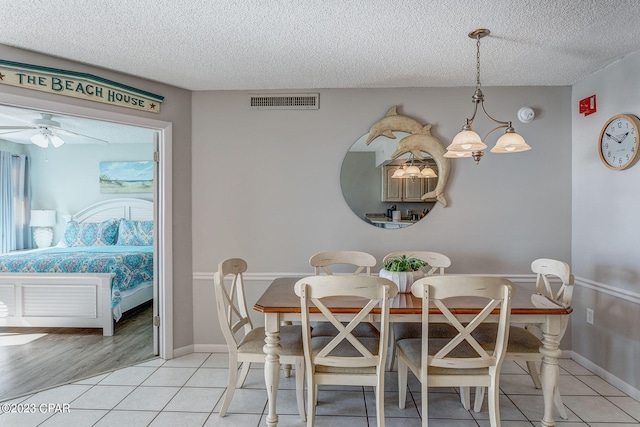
column 374, row 195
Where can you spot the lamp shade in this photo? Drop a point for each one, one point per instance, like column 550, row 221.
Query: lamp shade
column 467, row 140
column 56, row 141
column 40, row 140
column 398, row 173
column 412, row 171
column 510, row 142
column 457, row 154
column 429, row 173
column 43, row 218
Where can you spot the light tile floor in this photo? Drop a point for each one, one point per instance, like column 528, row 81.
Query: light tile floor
column 187, row 391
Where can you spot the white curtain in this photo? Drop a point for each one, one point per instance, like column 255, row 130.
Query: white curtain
column 15, row 202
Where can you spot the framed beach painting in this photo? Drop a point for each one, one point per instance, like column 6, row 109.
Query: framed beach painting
column 126, row 177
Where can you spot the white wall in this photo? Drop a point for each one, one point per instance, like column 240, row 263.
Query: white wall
column 12, row 147
column 605, row 228
column 287, row 203
column 65, row 179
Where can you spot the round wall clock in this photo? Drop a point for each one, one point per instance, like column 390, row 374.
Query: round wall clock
column 619, row 140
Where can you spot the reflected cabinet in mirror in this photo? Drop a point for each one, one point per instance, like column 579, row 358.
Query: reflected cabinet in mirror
column 392, row 176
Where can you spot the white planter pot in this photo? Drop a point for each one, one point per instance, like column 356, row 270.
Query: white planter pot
column 404, row 279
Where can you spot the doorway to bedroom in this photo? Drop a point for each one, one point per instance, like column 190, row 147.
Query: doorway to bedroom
column 67, row 179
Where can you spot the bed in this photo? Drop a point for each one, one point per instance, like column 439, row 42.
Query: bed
column 102, row 267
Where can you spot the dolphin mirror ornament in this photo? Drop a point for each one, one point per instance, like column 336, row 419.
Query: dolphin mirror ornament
column 372, row 159
column 420, row 140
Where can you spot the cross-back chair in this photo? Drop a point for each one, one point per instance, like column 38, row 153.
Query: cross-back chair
column 457, row 361
column 244, row 341
column 524, row 343
column 323, row 261
column 345, row 359
column 360, row 263
column 437, row 263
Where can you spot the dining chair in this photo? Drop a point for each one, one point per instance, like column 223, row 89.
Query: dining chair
column 359, row 263
column 459, row 361
column 345, row 359
column 437, row 263
column 524, row 343
column 244, row 341
column 323, row 261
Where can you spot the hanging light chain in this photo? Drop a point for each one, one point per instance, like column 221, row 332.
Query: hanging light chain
column 478, row 61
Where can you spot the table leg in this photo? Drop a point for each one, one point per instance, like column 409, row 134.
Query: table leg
column 549, row 371
column 272, row 350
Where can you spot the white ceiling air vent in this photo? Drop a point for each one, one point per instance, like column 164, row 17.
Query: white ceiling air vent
column 284, row 101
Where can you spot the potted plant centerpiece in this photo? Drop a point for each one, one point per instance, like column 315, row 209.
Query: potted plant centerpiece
column 403, row 271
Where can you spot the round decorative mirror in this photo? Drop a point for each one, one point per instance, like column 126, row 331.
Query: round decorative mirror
column 393, row 176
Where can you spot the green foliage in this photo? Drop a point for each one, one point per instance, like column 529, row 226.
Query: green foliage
column 404, row 263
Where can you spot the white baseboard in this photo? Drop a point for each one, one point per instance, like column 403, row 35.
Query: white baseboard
column 608, row 377
column 182, row 351
column 210, row 348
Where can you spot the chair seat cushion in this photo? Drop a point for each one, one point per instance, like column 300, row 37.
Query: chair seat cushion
column 414, row 330
column 345, row 349
column 412, row 349
column 326, row 329
column 520, row 340
column 290, row 340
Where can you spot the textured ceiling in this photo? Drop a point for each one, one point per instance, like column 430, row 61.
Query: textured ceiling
column 307, row 44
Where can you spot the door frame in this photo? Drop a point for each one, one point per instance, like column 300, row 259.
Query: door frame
column 163, row 202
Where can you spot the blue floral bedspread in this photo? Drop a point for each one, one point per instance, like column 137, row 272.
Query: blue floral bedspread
column 132, row 265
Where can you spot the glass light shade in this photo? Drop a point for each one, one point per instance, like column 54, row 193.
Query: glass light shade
column 412, row 171
column 40, row 140
column 510, row 142
column 467, row 140
column 457, row 154
column 399, row 173
column 56, row 141
column 43, row 218
column 429, row 173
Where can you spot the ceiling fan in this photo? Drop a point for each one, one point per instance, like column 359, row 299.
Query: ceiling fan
column 48, row 132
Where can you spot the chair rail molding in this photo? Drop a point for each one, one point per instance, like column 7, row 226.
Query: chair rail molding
column 624, row 294
column 523, row 279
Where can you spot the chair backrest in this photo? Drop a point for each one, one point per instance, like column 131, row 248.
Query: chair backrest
column 546, row 268
column 437, row 262
column 230, row 300
column 370, row 293
column 463, row 351
column 361, row 260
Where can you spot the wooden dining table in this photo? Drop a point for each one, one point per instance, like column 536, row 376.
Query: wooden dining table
column 279, row 303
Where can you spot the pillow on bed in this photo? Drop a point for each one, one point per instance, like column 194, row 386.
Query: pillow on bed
column 135, row 233
column 91, row 233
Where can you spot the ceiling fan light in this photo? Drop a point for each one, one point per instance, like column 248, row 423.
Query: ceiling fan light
column 467, row 140
column 510, row 142
column 40, row 140
column 56, row 141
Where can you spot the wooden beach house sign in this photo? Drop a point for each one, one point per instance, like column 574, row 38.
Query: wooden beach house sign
column 77, row 85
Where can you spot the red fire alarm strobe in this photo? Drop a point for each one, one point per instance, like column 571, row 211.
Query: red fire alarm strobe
column 588, row 105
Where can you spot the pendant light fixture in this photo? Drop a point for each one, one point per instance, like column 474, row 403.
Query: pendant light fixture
column 412, row 171
column 468, row 143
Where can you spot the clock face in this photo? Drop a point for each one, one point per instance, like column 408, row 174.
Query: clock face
column 619, row 142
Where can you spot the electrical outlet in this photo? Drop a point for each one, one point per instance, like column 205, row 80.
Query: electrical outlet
column 590, row 316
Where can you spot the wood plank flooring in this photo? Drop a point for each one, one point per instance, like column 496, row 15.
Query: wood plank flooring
column 54, row 356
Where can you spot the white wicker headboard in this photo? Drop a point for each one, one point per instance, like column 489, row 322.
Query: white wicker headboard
column 132, row 209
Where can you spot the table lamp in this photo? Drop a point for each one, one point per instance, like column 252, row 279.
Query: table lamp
column 42, row 221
